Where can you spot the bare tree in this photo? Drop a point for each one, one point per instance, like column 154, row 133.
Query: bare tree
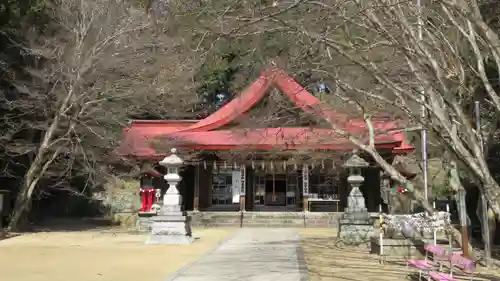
column 372, row 53
column 104, row 63
column 446, row 68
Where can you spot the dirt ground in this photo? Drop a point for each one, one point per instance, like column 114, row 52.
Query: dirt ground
column 109, row 255
column 327, row 261
column 98, row 255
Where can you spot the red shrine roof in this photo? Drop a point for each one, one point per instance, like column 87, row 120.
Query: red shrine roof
column 203, row 134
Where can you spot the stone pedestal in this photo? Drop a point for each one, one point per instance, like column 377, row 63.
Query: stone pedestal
column 355, row 232
column 356, row 225
column 397, row 247
column 171, row 226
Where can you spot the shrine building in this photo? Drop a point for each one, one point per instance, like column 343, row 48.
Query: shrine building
column 233, row 168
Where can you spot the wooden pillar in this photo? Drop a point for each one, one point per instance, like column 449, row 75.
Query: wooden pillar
column 343, row 189
column 370, row 192
column 249, row 188
column 305, row 188
column 205, row 187
column 242, row 187
column 196, row 197
column 385, row 188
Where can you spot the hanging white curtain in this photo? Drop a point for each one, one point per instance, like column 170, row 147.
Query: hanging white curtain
column 236, row 186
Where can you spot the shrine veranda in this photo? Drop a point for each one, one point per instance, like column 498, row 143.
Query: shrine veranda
column 242, row 187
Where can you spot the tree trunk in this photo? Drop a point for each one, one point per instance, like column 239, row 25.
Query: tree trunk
column 492, row 225
column 38, row 168
column 457, row 237
column 492, row 191
column 26, row 192
column 34, row 174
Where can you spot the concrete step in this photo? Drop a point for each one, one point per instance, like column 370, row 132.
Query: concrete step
column 256, row 220
column 263, row 225
column 297, row 223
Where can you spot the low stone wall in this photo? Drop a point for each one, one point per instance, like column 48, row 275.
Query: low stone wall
column 126, row 220
column 215, row 219
column 257, row 219
column 322, row 220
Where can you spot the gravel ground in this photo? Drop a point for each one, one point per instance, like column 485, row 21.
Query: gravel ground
column 98, row 255
column 328, row 262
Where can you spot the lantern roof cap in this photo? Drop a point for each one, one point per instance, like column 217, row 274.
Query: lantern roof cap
column 172, row 160
column 356, row 162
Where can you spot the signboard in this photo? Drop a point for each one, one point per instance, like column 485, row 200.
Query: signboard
column 243, row 180
column 305, row 179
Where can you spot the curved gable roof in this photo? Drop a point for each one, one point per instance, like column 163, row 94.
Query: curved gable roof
column 141, row 133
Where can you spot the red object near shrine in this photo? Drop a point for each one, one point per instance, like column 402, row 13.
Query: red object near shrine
column 147, row 193
column 147, row 199
column 401, row 190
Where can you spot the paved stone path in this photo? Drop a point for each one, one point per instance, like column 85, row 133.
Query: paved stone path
column 250, row 255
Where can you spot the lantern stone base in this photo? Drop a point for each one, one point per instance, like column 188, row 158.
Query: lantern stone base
column 355, row 231
column 171, row 226
column 397, row 247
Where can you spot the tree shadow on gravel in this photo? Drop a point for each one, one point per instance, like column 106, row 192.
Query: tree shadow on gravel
column 328, row 260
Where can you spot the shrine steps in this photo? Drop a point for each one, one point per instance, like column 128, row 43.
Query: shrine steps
column 257, row 220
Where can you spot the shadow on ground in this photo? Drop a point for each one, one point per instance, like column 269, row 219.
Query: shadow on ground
column 71, row 225
column 5, row 236
column 328, row 260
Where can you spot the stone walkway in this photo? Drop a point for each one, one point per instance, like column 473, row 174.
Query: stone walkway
column 250, row 255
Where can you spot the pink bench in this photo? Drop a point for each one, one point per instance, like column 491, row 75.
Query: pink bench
column 457, row 261
column 427, row 265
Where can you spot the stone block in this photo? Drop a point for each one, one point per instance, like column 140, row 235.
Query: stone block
column 144, row 224
column 397, row 247
column 166, row 231
column 172, row 199
column 172, row 217
column 125, row 220
column 355, row 233
column 171, row 226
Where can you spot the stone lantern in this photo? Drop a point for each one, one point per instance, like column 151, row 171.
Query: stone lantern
column 355, row 225
column 356, row 208
column 171, row 226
